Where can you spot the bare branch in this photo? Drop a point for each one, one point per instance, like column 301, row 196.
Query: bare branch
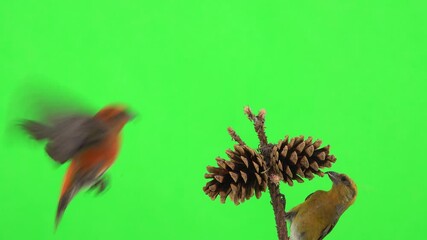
column 277, row 199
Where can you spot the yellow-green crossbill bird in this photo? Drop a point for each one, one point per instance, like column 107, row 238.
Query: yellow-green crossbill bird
column 90, row 142
column 319, row 213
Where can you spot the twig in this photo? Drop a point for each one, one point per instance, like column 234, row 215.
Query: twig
column 235, row 137
column 258, row 124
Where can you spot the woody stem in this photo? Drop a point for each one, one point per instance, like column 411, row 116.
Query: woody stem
column 278, row 202
column 277, row 199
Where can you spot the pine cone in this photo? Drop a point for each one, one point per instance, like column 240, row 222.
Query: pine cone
column 239, row 178
column 299, row 158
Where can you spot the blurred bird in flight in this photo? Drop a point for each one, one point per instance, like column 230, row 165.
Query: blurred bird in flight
column 91, row 143
column 319, row 213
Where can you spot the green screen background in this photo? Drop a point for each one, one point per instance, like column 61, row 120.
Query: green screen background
column 352, row 73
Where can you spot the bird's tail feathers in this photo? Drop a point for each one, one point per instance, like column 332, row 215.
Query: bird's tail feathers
column 64, row 200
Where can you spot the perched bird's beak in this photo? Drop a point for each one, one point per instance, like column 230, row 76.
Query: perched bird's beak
column 333, row 176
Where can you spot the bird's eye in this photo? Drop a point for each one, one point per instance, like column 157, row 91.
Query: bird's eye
column 343, row 179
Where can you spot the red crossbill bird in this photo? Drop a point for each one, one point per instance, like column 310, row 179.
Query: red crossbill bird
column 319, row 213
column 90, row 142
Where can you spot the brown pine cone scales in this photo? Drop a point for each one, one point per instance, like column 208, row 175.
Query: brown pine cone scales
column 246, row 173
column 298, row 158
column 243, row 176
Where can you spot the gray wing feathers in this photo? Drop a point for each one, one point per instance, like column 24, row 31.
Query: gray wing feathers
column 68, row 135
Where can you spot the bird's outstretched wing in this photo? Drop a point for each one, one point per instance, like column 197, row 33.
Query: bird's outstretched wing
column 67, row 135
column 72, row 134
